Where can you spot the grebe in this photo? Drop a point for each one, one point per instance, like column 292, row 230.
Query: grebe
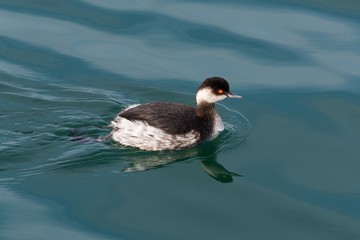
column 170, row 126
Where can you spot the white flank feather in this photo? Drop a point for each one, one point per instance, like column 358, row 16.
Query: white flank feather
column 141, row 135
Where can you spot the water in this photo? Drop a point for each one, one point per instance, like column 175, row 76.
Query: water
column 68, row 67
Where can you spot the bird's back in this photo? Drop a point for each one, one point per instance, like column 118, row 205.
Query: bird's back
column 173, row 118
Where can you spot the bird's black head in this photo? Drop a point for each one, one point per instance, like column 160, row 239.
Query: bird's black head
column 214, row 89
column 218, row 85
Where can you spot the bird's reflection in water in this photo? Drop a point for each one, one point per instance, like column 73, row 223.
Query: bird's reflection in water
column 217, row 171
column 206, row 153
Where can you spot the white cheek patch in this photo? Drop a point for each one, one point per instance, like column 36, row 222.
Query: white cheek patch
column 141, row 135
column 206, row 95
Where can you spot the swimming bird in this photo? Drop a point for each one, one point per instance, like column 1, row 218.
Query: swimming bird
column 170, row 126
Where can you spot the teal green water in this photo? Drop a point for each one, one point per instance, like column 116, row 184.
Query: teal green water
column 68, row 67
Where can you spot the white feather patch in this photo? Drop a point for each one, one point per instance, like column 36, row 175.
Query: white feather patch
column 141, row 135
column 130, row 106
column 218, row 126
column 206, row 95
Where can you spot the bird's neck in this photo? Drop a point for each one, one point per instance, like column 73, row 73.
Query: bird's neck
column 206, row 110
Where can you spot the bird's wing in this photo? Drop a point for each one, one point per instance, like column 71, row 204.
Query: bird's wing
column 173, row 118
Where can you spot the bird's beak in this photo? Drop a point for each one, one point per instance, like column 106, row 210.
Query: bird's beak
column 231, row 95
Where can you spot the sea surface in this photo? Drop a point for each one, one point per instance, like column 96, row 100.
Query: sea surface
column 287, row 165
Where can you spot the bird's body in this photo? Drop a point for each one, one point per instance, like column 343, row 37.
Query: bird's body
column 170, row 126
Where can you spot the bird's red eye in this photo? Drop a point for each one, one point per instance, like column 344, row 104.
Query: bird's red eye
column 220, row 91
